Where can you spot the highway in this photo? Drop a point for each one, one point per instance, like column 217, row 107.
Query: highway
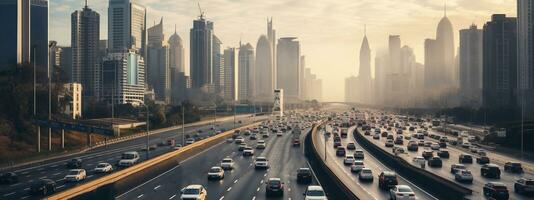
column 56, row 169
column 364, row 190
column 243, row 182
column 444, row 171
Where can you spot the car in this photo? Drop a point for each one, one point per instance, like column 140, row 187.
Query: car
column 227, row 164
column 419, row 160
column 435, row 162
column 483, row 160
column 241, row 147
column 428, row 144
column 496, row 190
column 216, row 173
column 74, row 163
column 514, row 167
column 465, row 158
column 43, row 187
column 442, row 144
column 434, row 146
column 384, row 134
column 358, row 154
column 412, row 146
column 401, row 192
column 464, row 176
column 189, row 141
column 265, row 135
column 473, row 149
column 261, row 163
column 296, row 142
column 178, row 146
column 389, row 143
column 337, row 144
column 304, row 175
column 239, row 140
column 443, row 154
column 466, row 144
column 376, row 136
column 253, row 137
column 389, row 137
column 481, row 152
column 314, row 192
column 129, row 158
column 274, row 186
column 490, row 171
column 247, row 151
column 421, row 143
column 9, row 178
column 196, row 192
column 349, row 159
column 76, row 175
column 340, row 151
column 103, row 168
column 260, row 144
column 524, row 186
column 357, row 166
column 398, row 150
column 351, row 146
column 279, row 133
column 399, row 141
column 457, row 167
column 366, row 174
column 229, row 140
column 427, row 154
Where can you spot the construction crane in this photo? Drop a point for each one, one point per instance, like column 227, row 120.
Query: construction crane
column 200, row 10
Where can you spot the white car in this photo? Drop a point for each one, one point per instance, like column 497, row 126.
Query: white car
column 261, row 162
column 239, row 140
column 349, row 159
column 197, row 192
column 463, row 175
column 216, row 173
column 230, row 140
column 401, row 192
column 248, row 151
column 279, row 133
column 75, row 175
column 357, row 166
column 129, row 158
column 457, row 167
column 473, row 149
column 189, row 141
column 103, row 168
column 419, row 160
column 434, row 146
column 260, row 144
column 227, row 164
column 366, row 174
column 315, row 192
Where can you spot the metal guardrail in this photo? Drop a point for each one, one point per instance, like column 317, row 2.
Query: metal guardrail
column 107, row 181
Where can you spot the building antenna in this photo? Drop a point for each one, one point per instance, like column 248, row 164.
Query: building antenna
column 445, row 8
column 365, row 29
column 86, row 3
column 200, row 10
column 174, row 28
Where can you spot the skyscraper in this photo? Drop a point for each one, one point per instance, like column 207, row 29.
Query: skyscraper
column 123, row 78
column 500, row 62
column 525, row 51
column 271, row 36
column 246, row 73
column 158, row 71
column 470, row 62
column 230, row 79
column 217, row 64
column 176, row 52
column 201, row 36
column 126, row 27
column 288, row 65
column 264, row 70
column 394, row 47
column 24, row 35
column 85, row 37
column 364, row 74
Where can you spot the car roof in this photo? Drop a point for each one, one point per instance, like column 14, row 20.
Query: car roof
column 315, row 187
column 497, row 183
column 193, row 187
column 261, row 157
column 404, row 186
column 275, row 179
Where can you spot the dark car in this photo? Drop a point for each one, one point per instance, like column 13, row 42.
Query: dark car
column 442, row 144
column 337, row 144
column 465, row 158
column 9, row 178
column 340, row 151
column 443, row 154
column 412, row 146
column 384, row 134
column 428, row 154
column 274, row 186
column 43, row 187
column 435, row 162
column 524, row 186
column 389, row 137
column 387, row 179
column 304, row 175
column 513, row 167
column 483, row 160
column 399, row 141
column 351, row 146
column 496, row 190
column 75, row 163
column 490, row 171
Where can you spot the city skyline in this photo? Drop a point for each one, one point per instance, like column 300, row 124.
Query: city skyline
column 340, row 41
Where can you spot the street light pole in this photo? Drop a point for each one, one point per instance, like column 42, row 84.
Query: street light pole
column 183, row 124
column 147, row 132
column 522, row 122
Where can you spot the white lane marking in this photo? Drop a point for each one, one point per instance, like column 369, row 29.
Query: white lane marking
column 140, row 196
column 54, row 166
column 261, row 181
column 221, row 198
column 30, row 181
column 42, row 177
column 228, row 190
column 56, row 174
column 257, row 190
column 25, row 197
column 236, row 180
column 27, row 176
column 25, row 172
column 60, row 179
column 254, row 198
column 172, row 197
column 157, row 187
column 8, row 194
column 14, row 184
column 60, row 186
column 26, row 189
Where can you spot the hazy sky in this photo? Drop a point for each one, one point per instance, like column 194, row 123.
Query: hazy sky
column 330, row 31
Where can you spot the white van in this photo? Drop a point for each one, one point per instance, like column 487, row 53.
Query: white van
column 129, row 158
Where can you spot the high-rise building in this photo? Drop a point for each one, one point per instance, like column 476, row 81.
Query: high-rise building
column 66, row 63
column 201, row 36
column 246, row 73
column 264, row 70
column 24, row 35
column 499, row 62
column 230, row 74
column 364, row 73
column 123, row 78
column 126, row 27
column 158, row 71
column 439, row 64
column 179, row 86
column 394, row 47
column 176, row 52
column 217, row 64
column 525, row 52
column 85, row 38
column 271, row 36
column 470, row 66
column 288, row 65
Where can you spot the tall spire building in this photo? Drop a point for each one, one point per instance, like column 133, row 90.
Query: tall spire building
column 525, row 51
column 201, row 36
column 271, row 36
column 264, row 75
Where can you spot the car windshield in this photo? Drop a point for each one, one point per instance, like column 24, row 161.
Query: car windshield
column 315, row 193
column 191, row 191
column 303, row 171
column 261, row 159
column 101, row 165
column 74, row 172
column 227, row 161
column 274, row 183
column 366, row 171
column 404, row 189
column 529, row 182
column 215, row 170
column 466, row 172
